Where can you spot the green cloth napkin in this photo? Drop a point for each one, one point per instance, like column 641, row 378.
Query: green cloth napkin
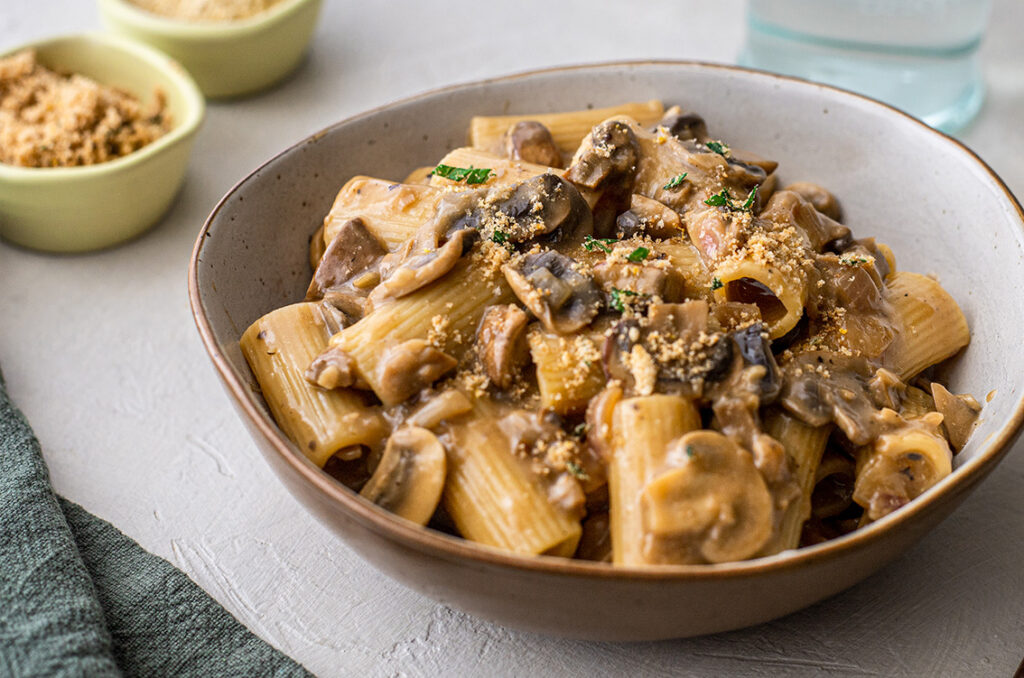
column 78, row 597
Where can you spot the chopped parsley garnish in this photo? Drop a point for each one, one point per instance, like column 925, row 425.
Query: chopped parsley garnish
column 590, row 244
column 580, row 429
column 576, row 470
column 690, row 451
column 724, row 199
column 618, row 298
column 639, row 254
column 856, row 261
column 719, row 148
column 500, row 237
column 748, row 204
column 675, row 181
column 716, row 284
column 469, row 174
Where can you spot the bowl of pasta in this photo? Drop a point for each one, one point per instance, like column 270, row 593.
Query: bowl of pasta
column 626, row 351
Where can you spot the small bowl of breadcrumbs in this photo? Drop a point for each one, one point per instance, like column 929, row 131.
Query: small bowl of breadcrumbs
column 95, row 136
column 231, row 47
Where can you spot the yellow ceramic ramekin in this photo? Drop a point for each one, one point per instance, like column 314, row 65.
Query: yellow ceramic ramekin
column 75, row 209
column 227, row 58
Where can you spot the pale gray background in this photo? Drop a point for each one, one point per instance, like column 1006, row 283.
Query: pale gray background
column 101, row 354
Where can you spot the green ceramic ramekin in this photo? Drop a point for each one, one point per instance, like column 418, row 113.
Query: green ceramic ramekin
column 227, row 58
column 75, row 209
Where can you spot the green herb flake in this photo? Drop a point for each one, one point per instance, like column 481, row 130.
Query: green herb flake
column 580, row 429
column 604, row 244
column 639, row 254
column 718, row 147
column 470, row 175
column 500, row 237
column 855, row 261
column 675, row 181
column 576, row 470
column 618, row 298
column 690, row 451
column 722, row 199
column 748, row 204
column 716, row 284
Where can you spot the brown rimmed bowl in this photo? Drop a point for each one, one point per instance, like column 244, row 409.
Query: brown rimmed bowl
column 938, row 205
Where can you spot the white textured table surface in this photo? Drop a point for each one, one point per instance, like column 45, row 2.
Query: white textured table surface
column 101, row 354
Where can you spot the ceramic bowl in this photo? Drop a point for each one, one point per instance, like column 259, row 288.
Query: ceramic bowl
column 74, row 209
column 227, row 58
column 940, row 208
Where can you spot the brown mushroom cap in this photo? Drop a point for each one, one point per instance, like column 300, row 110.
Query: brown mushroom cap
column 821, row 198
column 419, row 270
column 786, row 206
column 548, row 284
column 714, row 507
column 410, row 476
column 354, row 254
column 685, row 126
column 501, row 343
column 606, row 162
column 531, row 141
column 409, row 367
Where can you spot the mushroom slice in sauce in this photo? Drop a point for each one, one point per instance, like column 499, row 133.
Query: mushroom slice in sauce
column 715, row 507
column 822, row 199
column 684, row 126
column 901, row 464
column 789, row 207
column 959, row 414
column 419, row 270
column 408, row 368
column 821, row 387
column 347, row 270
column 531, row 141
column 647, row 216
column 542, row 205
column 501, row 343
column 647, row 279
column 606, row 162
column 410, row 476
column 334, row 368
column 548, row 284
column 439, row 407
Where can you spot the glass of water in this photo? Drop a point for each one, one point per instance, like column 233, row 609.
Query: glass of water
column 918, row 55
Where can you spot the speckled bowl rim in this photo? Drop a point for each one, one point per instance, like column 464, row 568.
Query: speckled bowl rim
column 195, row 110
column 207, row 31
column 447, row 546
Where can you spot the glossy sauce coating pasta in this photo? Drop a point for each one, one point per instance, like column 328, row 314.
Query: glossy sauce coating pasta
column 609, row 335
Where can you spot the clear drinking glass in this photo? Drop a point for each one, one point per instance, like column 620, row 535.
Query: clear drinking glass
column 918, row 55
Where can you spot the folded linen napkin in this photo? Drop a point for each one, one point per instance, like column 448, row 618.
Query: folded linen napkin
column 78, row 597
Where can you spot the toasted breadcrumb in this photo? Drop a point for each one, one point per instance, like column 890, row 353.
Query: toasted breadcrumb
column 48, row 119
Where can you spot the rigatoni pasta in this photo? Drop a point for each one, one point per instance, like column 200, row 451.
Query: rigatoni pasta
column 607, row 334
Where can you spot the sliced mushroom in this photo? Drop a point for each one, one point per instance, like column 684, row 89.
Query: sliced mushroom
column 646, row 279
column 650, row 217
column 714, row 508
column 599, row 422
column 685, row 126
column 334, row 368
column 901, row 464
column 410, row 476
column 419, row 270
column 822, row 199
column 606, row 162
column 755, row 350
column 409, row 367
column 544, row 205
column 531, row 141
column 822, row 386
column 548, row 284
column 789, row 208
column 348, row 268
column 959, row 414
column 501, row 342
